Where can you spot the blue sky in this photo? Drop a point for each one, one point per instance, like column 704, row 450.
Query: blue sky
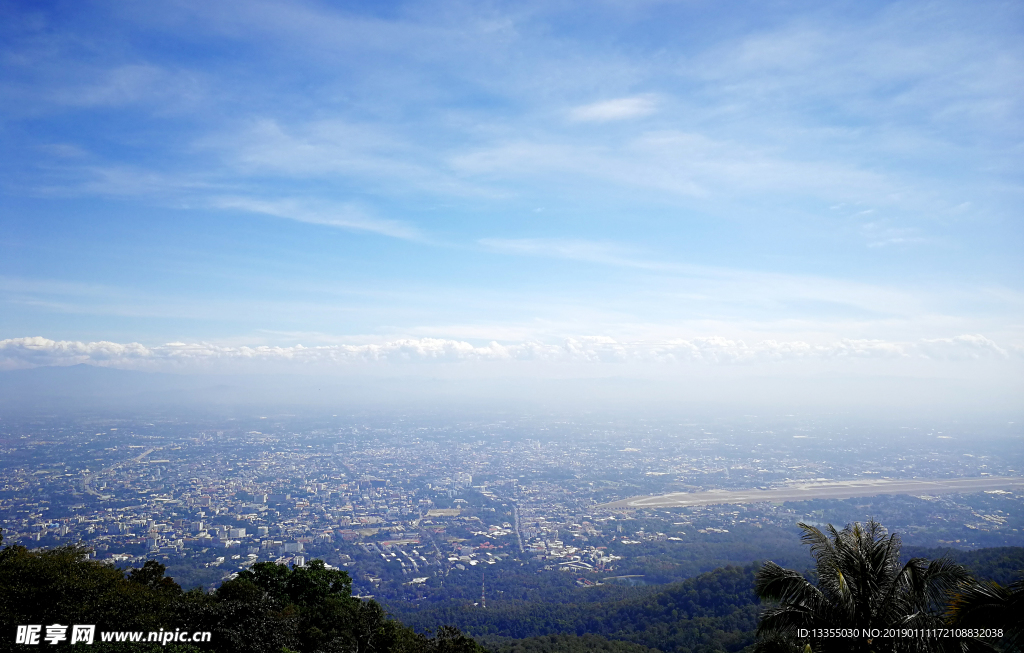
column 605, row 183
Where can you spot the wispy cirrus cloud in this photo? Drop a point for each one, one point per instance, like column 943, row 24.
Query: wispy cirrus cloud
column 343, row 216
column 677, row 165
column 347, row 151
column 572, row 249
column 625, row 108
column 710, row 285
column 883, row 235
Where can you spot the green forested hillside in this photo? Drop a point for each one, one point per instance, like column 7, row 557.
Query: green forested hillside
column 268, row 609
column 713, row 612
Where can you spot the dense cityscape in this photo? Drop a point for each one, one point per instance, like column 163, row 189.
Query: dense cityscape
column 401, row 502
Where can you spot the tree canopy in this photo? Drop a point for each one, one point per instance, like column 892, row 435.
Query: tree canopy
column 269, row 608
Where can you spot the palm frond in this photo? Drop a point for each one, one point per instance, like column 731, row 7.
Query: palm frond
column 818, row 541
column 777, row 644
column 786, row 620
column 942, row 578
column 979, row 605
column 774, row 583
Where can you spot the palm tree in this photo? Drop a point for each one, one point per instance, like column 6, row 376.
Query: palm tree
column 990, row 606
column 862, row 588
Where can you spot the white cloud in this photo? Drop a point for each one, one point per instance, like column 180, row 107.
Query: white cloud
column 135, row 181
column 572, row 249
column 38, row 351
column 684, row 165
column 345, row 216
column 379, row 155
column 118, row 86
column 964, row 346
column 722, row 286
column 618, row 109
column 880, row 235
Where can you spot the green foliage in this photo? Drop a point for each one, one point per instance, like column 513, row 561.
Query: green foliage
column 861, row 586
column 565, row 644
column 151, row 575
column 59, row 586
column 267, row 609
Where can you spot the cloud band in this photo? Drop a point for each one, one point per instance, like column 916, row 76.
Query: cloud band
column 38, row 352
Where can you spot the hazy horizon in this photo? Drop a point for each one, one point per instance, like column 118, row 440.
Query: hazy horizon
column 86, row 392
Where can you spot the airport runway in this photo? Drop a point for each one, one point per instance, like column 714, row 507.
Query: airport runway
column 829, row 490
